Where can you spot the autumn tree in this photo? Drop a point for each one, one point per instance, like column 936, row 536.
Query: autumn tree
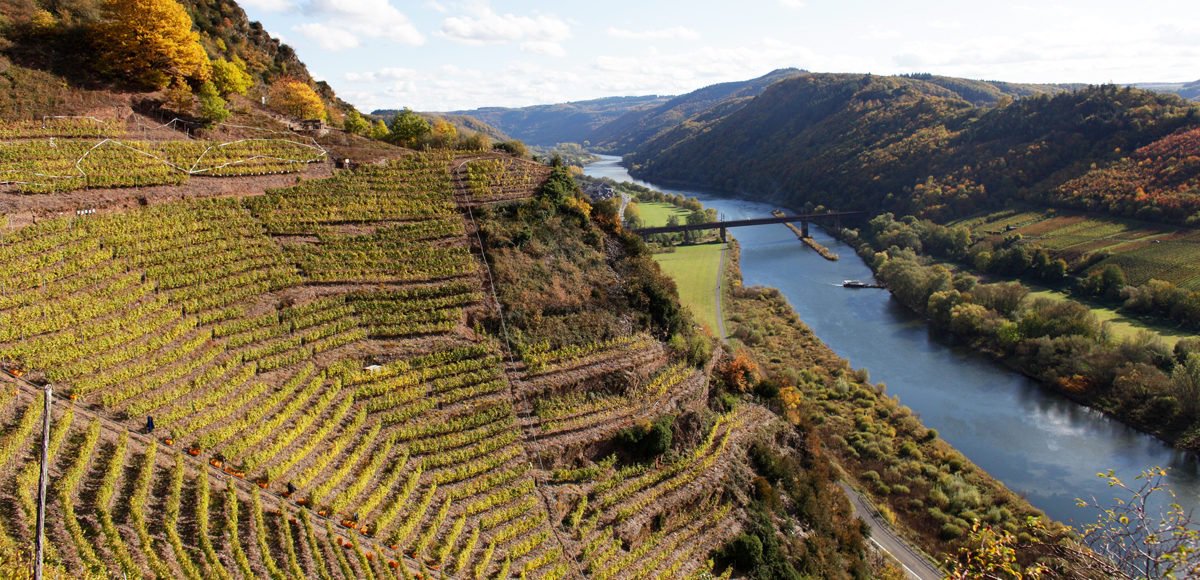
column 1133, row 537
column 991, row 553
column 379, row 130
column 442, row 134
column 1145, row 541
column 408, row 128
column 230, row 77
column 149, row 43
column 739, row 373
column 356, row 124
column 633, row 216
column 295, row 98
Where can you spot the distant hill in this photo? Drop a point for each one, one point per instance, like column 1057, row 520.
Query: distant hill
column 914, row 145
column 636, row 127
column 1186, row 90
column 980, row 92
column 559, row 123
column 695, row 112
column 622, row 124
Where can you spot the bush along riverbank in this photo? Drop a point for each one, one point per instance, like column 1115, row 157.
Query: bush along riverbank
column 932, row 494
column 1139, row 381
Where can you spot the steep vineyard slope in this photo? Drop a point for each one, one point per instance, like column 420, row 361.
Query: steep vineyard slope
column 313, row 341
column 335, row 390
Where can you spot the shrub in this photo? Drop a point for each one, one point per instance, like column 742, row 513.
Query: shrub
column 212, row 107
column 738, row 373
column 744, row 552
column 950, row 531
column 646, row 440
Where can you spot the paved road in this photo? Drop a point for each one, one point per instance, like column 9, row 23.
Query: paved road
column 882, row 535
column 884, row 538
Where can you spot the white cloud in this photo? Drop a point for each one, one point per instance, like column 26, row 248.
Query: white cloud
column 540, row 33
column 1028, row 41
column 672, row 33
column 387, row 74
column 521, row 83
column 655, row 71
column 328, row 37
column 544, row 47
column 344, row 23
column 268, row 5
column 451, row 87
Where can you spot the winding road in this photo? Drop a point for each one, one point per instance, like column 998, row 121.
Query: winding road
column 884, row 538
column 914, row 564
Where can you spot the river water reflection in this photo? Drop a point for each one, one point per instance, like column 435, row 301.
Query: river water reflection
column 1039, row 444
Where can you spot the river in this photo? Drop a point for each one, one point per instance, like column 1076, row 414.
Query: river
column 1039, row 444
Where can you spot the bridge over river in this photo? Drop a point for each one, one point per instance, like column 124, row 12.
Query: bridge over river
column 833, row 218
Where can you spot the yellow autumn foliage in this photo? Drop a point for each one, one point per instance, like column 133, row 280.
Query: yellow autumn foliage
column 150, row 42
column 294, row 98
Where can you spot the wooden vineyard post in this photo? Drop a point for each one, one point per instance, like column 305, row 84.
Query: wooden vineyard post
column 41, row 513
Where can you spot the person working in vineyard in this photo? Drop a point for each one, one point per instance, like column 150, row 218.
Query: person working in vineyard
column 149, row 425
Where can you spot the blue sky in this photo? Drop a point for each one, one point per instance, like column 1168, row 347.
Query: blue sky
column 435, row 55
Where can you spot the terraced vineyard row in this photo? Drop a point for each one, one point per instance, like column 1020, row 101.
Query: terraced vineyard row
column 540, row 358
column 107, row 490
column 613, row 498
column 61, row 128
column 51, row 165
column 577, row 411
column 499, row 178
column 186, row 312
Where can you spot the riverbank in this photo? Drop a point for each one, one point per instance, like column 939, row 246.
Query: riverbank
column 928, row 489
column 904, row 466
column 1058, row 342
column 1041, row 445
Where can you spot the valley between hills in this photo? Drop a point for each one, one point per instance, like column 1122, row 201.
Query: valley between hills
column 284, row 338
